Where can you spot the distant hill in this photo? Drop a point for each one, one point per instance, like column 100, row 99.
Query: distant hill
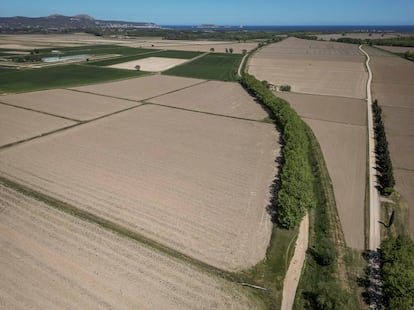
column 60, row 22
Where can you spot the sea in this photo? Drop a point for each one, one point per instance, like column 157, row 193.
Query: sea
column 324, row 28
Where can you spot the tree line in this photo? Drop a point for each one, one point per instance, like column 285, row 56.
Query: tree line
column 294, row 193
column 398, row 272
column 385, row 176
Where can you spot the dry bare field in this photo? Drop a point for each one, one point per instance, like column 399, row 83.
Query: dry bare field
column 140, row 88
column 198, row 46
column 328, row 108
column 31, row 41
column 194, row 182
column 68, row 103
column 18, row 124
column 396, row 49
column 359, row 35
column 393, row 86
column 151, row 64
column 344, row 149
column 50, row 259
column 223, row 98
column 313, row 67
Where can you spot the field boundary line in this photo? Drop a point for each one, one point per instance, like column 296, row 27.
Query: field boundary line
column 135, row 100
column 335, row 122
column 78, row 123
column 41, row 112
column 38, row 136
column 374, row 204
column 207, row 113
column 122, row 231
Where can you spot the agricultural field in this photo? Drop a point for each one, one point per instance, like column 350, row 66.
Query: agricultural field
column 59, row 76
column 151, row 64
column 32, row 41
column 152, row 171
column 148, row 53
column 339, row 124
column 328, row 81
column 224, row 98
column 396, row 49
column 200, row 46
column 393, row 86
column 328, row 108
column 50, row 259
column 359, row 35
column 140, row 88
column 213, row 66
column 344, row 150
column 67, row 103
column 17, row 124
column 312, row 67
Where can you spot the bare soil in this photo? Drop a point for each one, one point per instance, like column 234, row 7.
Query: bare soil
column 329, row 108
column 396, row 49
column 313, row 67
column 194, row 182
column 344, row 149
column 68, row 103
column 215, row 97
column 50, row 259
column 393, row 86
column 140, row 88
column 18, row 124
column 151, row 64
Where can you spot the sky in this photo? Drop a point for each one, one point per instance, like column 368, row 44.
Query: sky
column 225, row 12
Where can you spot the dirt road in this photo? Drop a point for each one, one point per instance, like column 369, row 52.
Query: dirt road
column 293, row 274
column 374, row 204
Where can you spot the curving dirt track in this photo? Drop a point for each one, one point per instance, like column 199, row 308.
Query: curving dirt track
column 50, row 259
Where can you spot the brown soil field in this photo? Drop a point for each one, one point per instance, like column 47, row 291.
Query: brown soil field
column 393, row 86
column 194, row 182
column 396, row 49
column 223, row 98
column 199, row 46
column 68, row 103
column 50, row 259
column 328, row 108
column 30, row 41
column 151, row 64
column 356, row 35
column 18, row 124
column 313, row 67
column 344, row 149
column 140, row 88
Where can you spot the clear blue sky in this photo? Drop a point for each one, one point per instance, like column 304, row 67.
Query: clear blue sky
column 234, row 12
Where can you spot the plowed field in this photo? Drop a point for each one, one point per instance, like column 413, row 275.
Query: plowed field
column 194, row 182
column 393, row 86
column 18, row 124
column 50, row 259
column 141, row 88
column 66, row 103
column 313, row 67
column 217, row 97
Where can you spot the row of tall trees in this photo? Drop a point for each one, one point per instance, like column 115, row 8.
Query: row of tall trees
column 385, row 176
column 294, row 193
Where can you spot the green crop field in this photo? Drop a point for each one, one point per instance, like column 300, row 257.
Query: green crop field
column 59, row 76
column 211, row 67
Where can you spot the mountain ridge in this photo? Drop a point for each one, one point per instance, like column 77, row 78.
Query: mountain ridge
column 57, row 21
